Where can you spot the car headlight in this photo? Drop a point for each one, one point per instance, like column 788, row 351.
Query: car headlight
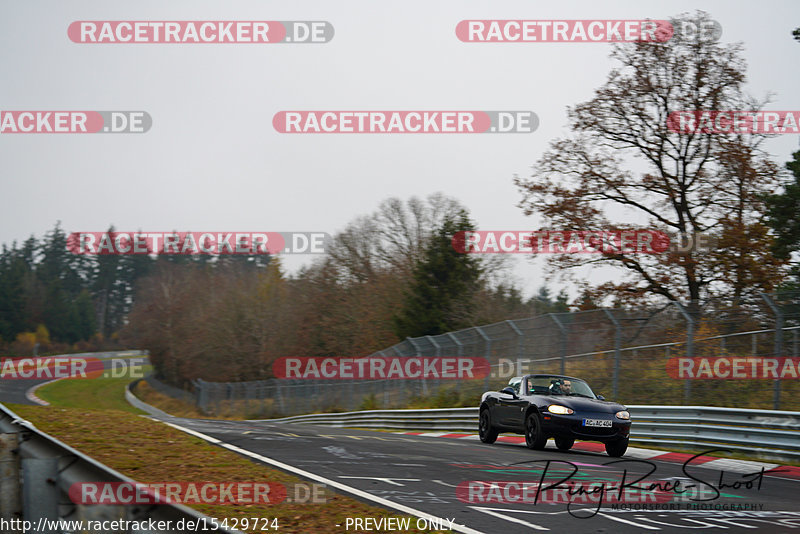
column 623, row 415
column 560, row 410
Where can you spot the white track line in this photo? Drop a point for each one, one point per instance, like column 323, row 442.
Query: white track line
column 627, row 522
column 332, row 483
column 494, row 513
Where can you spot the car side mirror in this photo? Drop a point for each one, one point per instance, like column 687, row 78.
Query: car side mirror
column 509, row 391
column 600, row 397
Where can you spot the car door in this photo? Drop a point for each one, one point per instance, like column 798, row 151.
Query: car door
column 512, row 409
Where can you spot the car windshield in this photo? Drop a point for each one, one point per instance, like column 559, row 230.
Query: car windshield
column 559, row 385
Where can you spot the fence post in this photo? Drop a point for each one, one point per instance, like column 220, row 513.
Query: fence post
column 563, row 347
column 419, row 355
column 617, row 350
column 435, row 344
column 386, row 384
column 317, row 394
column 520, row 335
column 457, row 342
column 201, row 395
column 687, row 385
column 403, row 384
column 309, row 396
column 438, row 383
column 776, row 390
column 488, row 354
column 279, row 395
column 262, row 394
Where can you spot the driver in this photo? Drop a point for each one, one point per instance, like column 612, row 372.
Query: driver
column 561, row 387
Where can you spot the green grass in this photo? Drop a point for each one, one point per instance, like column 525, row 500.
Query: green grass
column 89, row 394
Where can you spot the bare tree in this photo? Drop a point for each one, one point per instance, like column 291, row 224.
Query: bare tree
column 393, row 237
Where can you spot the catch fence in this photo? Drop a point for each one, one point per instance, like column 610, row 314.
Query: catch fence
column 624, row 354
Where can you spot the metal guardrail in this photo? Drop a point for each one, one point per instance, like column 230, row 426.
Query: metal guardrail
column 37, row 471
column 763, row 433
column 439, row 419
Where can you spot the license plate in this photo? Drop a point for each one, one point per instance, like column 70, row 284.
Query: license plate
column 596, row 422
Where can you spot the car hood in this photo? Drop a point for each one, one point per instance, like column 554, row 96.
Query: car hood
column 582, row 404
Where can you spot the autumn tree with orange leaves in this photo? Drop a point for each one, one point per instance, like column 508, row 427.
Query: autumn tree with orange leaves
column 623, row 167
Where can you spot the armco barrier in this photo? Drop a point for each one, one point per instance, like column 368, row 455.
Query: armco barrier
column 764, row 433
column 37, row 470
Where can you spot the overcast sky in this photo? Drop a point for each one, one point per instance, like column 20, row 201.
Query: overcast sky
column 212, row 160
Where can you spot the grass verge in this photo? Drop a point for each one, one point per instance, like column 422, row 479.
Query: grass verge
column 108, row 393
column 171, row 405
column 88, row 416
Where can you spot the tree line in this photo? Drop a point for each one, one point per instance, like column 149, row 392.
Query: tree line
column 62, row 301
column 388, row 275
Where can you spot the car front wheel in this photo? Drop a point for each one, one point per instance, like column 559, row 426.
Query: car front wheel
column 617, row 448
column 486, row 432
column 534, row 438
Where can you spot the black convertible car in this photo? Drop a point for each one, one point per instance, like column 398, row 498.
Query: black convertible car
column 562, row 407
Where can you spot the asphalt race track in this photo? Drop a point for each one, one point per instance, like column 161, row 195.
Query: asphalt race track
column 424, row 472
column 451, row 479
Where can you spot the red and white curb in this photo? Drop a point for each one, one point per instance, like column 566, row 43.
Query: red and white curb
column 31, row 393
column 711, row 462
